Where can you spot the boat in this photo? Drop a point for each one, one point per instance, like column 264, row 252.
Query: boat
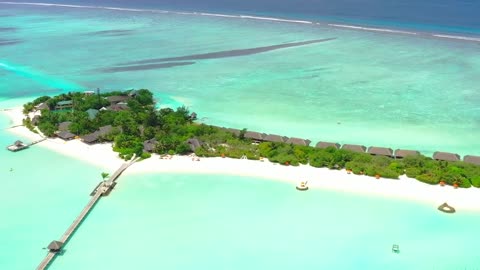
column 302, row 186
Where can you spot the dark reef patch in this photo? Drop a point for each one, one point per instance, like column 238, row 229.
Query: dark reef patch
column 230, row 53
column 145, row 67
column 112, row 33
column 6, row 42
column 8, row 29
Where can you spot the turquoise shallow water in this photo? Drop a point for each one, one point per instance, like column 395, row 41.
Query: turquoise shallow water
column 219, row 222
column 384, row 89
column 387, row 90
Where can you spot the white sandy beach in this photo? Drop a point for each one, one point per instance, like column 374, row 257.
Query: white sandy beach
column 410, row 189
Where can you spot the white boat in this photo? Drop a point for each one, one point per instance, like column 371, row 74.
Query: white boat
column 302, row 186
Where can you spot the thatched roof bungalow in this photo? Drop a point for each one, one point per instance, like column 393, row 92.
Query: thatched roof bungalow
column 117, row 99
column 91, row 138
column 354, row 148
column 42, row 106
column 472, row 159
column 275, row 138
column 36, row 120
column 64, row 126
column 444, row 156
column 327, row 144
column 194, row 144
column 234, row 131
column 149, row 145
column 298, row 141
column 55, row 246
column 401, row 153
column 256, row 136
column 92, row 113
column 65, row 135
column 380, row 151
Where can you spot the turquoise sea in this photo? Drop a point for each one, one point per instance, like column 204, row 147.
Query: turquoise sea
column 362, row 87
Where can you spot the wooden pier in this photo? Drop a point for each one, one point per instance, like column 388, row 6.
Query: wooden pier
column 102, row 189
column 19, row 145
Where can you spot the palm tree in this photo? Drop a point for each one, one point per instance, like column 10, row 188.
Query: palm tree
column 104, row 175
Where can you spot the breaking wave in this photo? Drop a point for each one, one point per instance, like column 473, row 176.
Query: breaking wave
column 251, row 17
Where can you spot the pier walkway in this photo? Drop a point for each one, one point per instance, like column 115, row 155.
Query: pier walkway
column 102, row 189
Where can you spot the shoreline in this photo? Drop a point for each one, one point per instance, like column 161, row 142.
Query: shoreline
column 405, row 188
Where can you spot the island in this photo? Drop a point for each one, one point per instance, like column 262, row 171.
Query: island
column 132, row 122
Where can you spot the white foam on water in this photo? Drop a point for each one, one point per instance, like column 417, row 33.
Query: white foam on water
column 251, row 17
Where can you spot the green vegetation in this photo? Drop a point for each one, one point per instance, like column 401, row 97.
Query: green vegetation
column 169, row 130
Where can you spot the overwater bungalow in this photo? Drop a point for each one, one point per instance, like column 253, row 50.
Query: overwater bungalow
column 17, row 146
column 66, row 135
column 323, row 145
column 117, row 99
column 64, row 126
column 401, row 153
column 298, row 141
column 380, row 151
column 194, row 144
column 256, row 136
column 444, row 156
column 149, row 145
column 354, row 148
column 275, row 138
column 63, row 105
column 55, row 246
column 472, row 159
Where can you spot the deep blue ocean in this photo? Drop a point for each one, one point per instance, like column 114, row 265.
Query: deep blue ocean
column 459, row 16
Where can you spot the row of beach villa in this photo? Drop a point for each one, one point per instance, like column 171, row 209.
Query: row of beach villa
column 119, row 103
column 373, row 150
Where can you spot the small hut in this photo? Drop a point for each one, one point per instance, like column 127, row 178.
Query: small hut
column 36, row 120
column 472, row 159
column 91, row 138
column 149, row 145
column 234, row 131
column 42, row 106
column 256, row 136
column 327, row 144
column 64, row 126
column 275, row 138
column 444, row 156
column 92, row 113
column 19, row 144
column 117, row 99
column 354, row 148
column 194, row 144
column 298, row 141
column 65, row 135
column 380, row 151
column 401, row 153
column 55, row 246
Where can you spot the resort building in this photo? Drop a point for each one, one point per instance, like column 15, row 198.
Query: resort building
column 149, row 145
column 64, row 126
column 65, row 135
column 275, row 138
column 118, row 107
column 35, row 120
column 298, row 141
column 117, row 99
column 400, row 153
column 380, row 151
column 355, row 148
column 472, row 159
column 42, row 106
column 256, row 136
column 327, row 144
column 194, row 144
column 92, row 113
column 91, row 138
column 444, row 156
column 63, row 105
